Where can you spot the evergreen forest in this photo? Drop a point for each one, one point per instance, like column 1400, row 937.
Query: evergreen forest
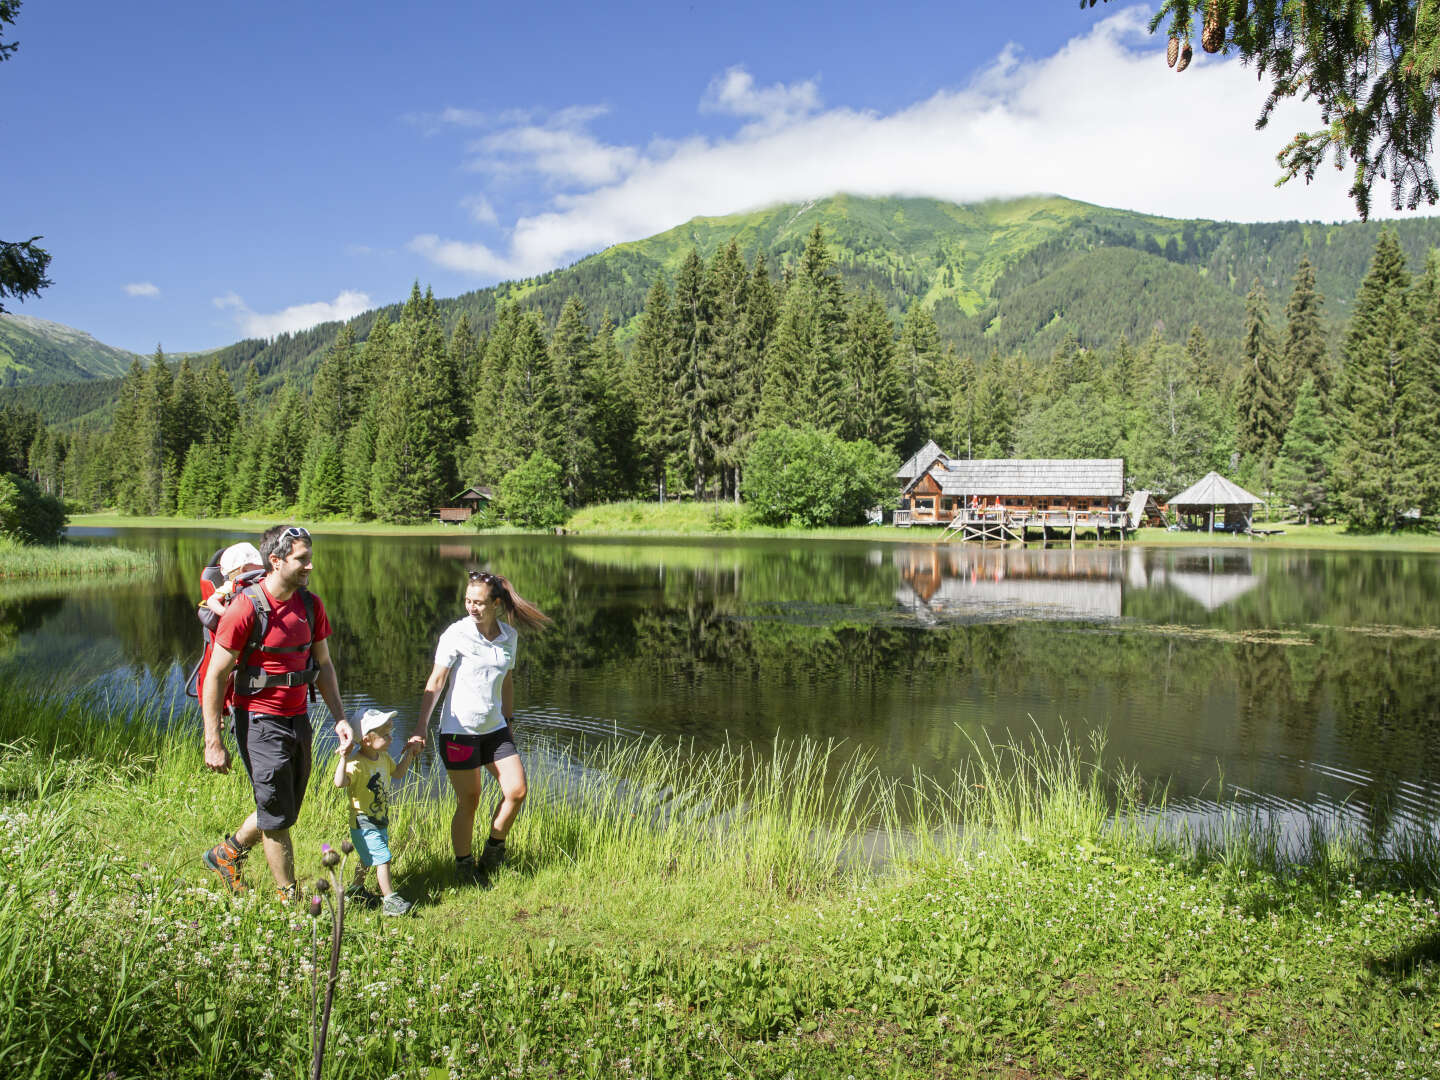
column 1324, row 402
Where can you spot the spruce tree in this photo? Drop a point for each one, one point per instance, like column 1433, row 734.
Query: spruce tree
column 802, row 376
column 1304, row 353
column 483, row 462
column 419, row 403
column 1420, row 400
column 762, row 309
column 219, row 404
column 369, row 376
column 728, row 287
column 528, row 418
column 654, row 375
column 694, row 316
column 1302, row 469
column 994, row 412
column 1260, row 402
column 332, row 413
column 874, row 395
column 572, row 357
column 615, row 469
column 919, row 353
column 1373, row 481
column 126, row 444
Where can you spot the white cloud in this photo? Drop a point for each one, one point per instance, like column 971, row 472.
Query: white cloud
column 1102, row 120
column 735, row 94
column 558, row 148
column 298, row 317
column 482, row 211
column 142, row 288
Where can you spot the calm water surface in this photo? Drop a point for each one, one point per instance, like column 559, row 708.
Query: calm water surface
column 1307, row 680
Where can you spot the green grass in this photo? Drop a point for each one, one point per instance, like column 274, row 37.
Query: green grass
column 732, row 913
column 70, row 560
column 706, row 519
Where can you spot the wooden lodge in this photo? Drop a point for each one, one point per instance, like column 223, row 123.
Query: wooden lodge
column 1013, row 498
column 464, row 506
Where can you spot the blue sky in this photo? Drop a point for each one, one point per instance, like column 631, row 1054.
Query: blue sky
column 205, row 172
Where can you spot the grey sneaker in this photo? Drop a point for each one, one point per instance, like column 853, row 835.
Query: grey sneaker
column 395, row 904
column 492, row 856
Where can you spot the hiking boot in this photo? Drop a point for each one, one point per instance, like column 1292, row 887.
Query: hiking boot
column 395, row 904
column 226, row 859
column 492, row 855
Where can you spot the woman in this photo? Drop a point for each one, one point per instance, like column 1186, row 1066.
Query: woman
column 475, row 721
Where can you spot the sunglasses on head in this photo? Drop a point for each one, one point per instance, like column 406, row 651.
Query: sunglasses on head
column 485, row 576
column 295, row 532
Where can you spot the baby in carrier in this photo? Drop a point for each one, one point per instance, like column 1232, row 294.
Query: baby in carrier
column 239, row 565
column 226, row 576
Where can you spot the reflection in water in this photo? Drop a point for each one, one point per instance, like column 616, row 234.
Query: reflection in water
column 1304, row 678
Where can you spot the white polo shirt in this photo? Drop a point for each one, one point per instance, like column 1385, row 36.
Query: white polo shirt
column 478, row 667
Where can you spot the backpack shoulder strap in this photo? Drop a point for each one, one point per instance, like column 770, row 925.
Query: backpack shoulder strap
column 261, row 626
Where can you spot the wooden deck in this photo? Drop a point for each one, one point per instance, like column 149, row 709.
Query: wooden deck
column 1005, row 524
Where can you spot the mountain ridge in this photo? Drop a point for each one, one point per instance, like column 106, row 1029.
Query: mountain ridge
column 1000, row 275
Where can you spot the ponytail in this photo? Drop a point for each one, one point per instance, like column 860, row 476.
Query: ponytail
column 522, row 612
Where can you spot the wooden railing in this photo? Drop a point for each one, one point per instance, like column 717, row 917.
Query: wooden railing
column 1020, row 517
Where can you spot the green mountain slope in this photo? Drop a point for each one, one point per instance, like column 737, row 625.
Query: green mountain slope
column 35, row 351
column 1004, row 275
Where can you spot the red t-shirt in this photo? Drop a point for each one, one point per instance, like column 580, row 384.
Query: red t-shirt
column 287, row 628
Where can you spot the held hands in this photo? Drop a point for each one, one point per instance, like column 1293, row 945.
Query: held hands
column 346, row 735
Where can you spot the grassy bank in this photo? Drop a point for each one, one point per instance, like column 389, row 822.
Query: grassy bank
column 691, row 519
column 720, row 915
column 19, row 561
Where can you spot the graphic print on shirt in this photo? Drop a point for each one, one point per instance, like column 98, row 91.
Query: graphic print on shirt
column 377, row 815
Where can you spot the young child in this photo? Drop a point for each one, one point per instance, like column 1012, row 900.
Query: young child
column 237, row 561
column 366, row 774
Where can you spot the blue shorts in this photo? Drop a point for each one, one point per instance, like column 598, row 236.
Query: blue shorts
column 371, row 844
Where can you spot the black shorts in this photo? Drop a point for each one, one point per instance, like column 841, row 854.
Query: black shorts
column 464, row 752
column 276, row 752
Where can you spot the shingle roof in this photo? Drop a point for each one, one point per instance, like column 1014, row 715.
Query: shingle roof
column 1214, row 490
column 922, row 460
column 1034, row 476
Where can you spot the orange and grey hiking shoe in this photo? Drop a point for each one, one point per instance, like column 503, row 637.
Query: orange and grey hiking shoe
column 226, row 859
column 288, row 895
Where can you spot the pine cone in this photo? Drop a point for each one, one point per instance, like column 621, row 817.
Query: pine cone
column 1172, row 51
column 1185, row 56
column 1212, row 38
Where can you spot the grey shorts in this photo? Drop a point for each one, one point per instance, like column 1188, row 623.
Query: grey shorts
column 276, row 752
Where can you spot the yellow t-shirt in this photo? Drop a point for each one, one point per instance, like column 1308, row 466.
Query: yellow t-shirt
column 368, row 780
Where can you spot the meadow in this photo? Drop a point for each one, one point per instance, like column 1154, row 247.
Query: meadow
column 770, row 912
column 687, row 518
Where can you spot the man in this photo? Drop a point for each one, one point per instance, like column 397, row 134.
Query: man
column 272, row 728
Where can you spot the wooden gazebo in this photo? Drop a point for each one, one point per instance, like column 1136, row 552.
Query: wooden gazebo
column 1198, row 504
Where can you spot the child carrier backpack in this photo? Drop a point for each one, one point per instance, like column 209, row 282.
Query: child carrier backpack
column 255, row 678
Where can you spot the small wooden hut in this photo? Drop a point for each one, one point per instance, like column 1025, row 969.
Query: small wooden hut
column 465, row 505
column 1198, row 505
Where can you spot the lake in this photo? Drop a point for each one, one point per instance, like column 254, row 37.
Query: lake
column 1305, row 680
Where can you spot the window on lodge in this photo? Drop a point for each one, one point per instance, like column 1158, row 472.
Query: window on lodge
column 925, row 504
